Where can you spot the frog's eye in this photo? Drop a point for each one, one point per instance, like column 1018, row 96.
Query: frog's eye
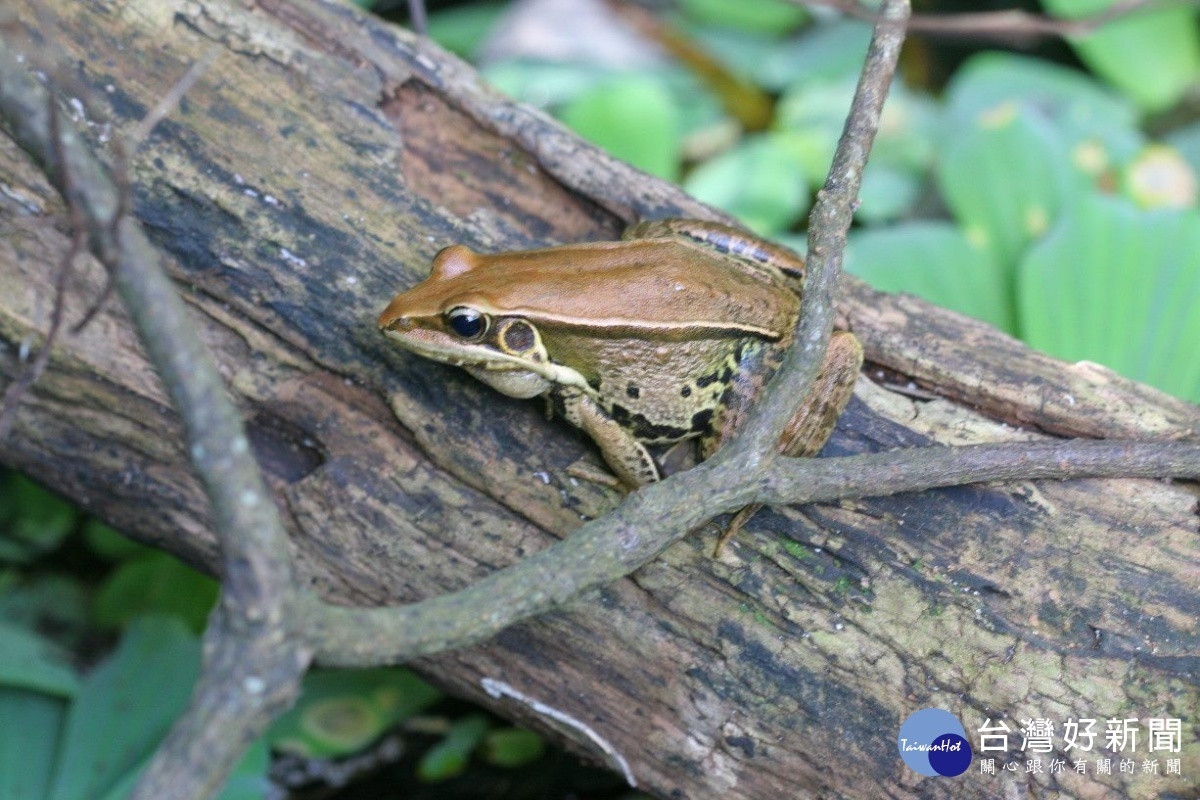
column 467, row 322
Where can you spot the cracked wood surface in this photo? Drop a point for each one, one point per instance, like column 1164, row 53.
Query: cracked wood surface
column 315, row 170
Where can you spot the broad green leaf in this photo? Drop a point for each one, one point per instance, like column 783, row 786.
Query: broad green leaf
column 1099, row 126
column 33, row 521
column 512, row 747
column 813, row 113
column 1118, row 285
column 635, row 118
column 988, row 79
column 759, row 181
column 886, row 194
column 156, row 583
column 759, row 16
column 1006, row 178
column 30, row 724
column 449, row 757
column 125, row 706
column 48, row 601
column 1152, row 55
column 461, row 28
column 1187, row 141
column 341, row 711
column 111, row 545
column 935, row 261
column 823, row 53
column 542, row 84
column 249, row 780
column 28, row 661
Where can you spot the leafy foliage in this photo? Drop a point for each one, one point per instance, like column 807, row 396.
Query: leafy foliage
column 967, row 192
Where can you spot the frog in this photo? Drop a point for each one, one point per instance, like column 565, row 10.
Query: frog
column 666, row 335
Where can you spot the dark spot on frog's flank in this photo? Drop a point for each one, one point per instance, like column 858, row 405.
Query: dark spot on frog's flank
column 686, row 391
column 706, row 380
column 702, row 419
column 633, row 391
column 518, row 336
column 642, row 428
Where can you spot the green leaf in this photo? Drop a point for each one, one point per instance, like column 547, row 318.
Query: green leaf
column 1006, row 178
column 809, row 121
column 1152, row 55
column 250, row 780
column 48, row 601
column 1118, row 285
column 512, row 747
column 887, row 193
column 759, row 181
column 822, row 53
column 449, row 757
column 110, row 544
column 461, row 29
column 635, row 118
column 544, row 84
column 1187, row 141
column 760, row 16
column 159, row 583
column 342, row 711
column 1098, row 126
column 28, row 661
column 125, row 707
column 935, row 261
column 28, row 742
column 33, row 520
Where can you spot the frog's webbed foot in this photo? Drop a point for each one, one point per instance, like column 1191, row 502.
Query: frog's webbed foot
column 734, row 527
column 585, row 470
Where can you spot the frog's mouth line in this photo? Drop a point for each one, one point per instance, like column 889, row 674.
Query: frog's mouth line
column 463, row 355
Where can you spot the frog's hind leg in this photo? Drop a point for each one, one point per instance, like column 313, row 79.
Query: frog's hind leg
column 813, row 422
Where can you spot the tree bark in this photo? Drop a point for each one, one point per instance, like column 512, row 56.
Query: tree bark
column 315, row 170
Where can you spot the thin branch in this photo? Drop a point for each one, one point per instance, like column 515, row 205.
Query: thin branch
column 171, row 99
column 30, row 375
column 1013, row 23
column 828, row 225
column 238, row 692
column 607, row 549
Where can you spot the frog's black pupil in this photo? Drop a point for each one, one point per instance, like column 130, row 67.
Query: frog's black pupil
column 466, row 322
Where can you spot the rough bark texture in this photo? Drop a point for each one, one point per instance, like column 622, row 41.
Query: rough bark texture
column 316, row 169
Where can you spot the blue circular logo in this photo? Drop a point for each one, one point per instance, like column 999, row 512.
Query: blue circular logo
column 933, row 742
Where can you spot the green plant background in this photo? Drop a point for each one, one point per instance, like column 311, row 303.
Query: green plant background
column 1055, row 200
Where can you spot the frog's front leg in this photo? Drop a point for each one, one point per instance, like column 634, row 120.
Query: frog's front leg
column 626, row 456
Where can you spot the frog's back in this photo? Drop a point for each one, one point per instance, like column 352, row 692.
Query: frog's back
column 651, row 284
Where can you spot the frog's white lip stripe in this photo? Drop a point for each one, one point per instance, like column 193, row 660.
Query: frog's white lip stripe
column 467, row 355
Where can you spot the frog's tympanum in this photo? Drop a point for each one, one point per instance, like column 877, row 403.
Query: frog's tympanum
column 666, row 335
